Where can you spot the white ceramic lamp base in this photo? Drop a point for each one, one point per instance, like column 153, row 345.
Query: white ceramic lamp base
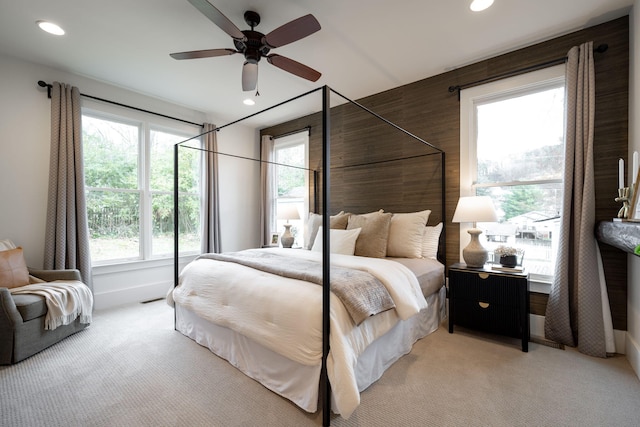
column 287, row 238
column 475, row 255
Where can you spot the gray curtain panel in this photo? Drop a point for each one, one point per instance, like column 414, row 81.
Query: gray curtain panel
column 67, row 229
column 574, row 314
column 269, row 190
column 211, row 241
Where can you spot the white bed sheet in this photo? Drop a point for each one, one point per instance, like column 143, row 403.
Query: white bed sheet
column 295, row 326
column 300, row 383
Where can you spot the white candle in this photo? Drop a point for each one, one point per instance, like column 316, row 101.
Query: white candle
column 634, row 171
column 620, row 173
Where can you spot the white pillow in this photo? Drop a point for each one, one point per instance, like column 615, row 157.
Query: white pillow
column 342, row 241
column 405, row 234
column 6, row 245
column 311, row 227
column 431, row 241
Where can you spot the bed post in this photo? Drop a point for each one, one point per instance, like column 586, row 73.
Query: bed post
column 325, row 387
column 444, row 210
column 176, row 227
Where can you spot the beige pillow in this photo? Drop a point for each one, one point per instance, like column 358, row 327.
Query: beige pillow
column 405, row 234
column 337, row 221
column 431, row 241
column 13, row 269
column 342, row 241
column 372, row 241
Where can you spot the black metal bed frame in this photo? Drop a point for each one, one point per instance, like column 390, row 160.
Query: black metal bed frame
column 325, row 386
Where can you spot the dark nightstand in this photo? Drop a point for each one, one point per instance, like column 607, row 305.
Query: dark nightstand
column 490, row 300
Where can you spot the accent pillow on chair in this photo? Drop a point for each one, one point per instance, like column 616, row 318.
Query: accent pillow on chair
column 13, row 269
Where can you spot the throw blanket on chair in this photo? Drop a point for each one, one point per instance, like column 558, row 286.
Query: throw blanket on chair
column 66, row 300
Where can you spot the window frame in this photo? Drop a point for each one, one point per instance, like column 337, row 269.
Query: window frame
column 297, row 138
column 146, row 124
column 523, row 84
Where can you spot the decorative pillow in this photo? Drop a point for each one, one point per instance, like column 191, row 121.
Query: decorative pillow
column 405, row 234
column 337, row 221
column 6, row 244
column 431, row 241
column 342, row 241
column 372, row 241
column 13, row 269
column 311, row 229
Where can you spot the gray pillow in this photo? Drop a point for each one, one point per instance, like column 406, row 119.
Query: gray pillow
column 372, row 241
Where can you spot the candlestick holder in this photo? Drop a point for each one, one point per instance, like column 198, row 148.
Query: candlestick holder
column 623, row 196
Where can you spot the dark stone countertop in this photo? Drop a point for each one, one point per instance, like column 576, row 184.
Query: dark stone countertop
column 624, row 235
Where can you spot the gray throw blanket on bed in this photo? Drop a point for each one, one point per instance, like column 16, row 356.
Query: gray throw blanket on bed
column 362, row 294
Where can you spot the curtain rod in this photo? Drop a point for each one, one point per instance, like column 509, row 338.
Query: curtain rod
column 293, row 132
column 49, row 86
column 600, row 49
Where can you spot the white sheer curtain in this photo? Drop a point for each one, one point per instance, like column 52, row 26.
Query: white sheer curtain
column 578, row 312
column 269, row 191
column 67, row 229
column 211, row 241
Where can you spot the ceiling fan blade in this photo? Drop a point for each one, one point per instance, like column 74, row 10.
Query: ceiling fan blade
column 207, row 53
column 249, row 76
column 215, row 16
column 293, row 67
column 292, row 31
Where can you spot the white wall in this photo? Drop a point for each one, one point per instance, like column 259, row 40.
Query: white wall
column 633, row 280
column 24, row 169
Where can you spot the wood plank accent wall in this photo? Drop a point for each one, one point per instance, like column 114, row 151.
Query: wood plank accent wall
column 427, row 109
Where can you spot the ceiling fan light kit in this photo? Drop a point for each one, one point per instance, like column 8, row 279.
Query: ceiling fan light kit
column 254, row 45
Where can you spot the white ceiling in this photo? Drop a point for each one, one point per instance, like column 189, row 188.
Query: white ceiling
column 364, row 46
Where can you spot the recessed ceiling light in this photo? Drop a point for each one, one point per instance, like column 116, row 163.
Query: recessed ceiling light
column 249, row 101
column 50, row 28
column 480, row 5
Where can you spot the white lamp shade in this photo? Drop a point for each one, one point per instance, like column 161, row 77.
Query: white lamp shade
column 475, row 209
column 288, row 211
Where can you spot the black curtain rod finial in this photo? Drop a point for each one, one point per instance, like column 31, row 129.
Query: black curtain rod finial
column 47, row 85
column 602, row 48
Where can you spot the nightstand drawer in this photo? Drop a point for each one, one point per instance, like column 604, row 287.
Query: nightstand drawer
column 482, row 286
column 488, row 317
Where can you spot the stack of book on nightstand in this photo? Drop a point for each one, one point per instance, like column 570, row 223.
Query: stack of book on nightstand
column 517, row 269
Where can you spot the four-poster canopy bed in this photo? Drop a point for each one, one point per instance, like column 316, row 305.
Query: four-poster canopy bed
column 322, row 324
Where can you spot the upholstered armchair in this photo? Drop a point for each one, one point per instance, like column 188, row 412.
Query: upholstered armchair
column 25, row 328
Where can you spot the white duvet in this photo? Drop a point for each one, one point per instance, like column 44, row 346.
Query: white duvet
column 285, row 315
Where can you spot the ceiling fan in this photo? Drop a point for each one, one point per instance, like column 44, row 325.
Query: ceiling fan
column 255, row 45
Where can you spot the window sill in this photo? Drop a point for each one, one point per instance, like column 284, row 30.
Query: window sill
column 539, row 287
column 124, row 266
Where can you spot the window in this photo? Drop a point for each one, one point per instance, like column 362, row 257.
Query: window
column 129, row 185
column 292, row 180
column 512, row 149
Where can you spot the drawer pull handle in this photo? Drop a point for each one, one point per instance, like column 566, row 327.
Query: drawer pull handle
column 483, row 275
column 483, row 304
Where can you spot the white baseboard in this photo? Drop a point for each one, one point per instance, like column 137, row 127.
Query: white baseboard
column 130, row 295
column 633, row 354
column 620, row 338
column 536, row 325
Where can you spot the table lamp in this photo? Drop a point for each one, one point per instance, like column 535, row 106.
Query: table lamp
column 287, row 212
column 475, row 209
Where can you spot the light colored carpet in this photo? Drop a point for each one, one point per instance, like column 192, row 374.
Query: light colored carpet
column 130, row 368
